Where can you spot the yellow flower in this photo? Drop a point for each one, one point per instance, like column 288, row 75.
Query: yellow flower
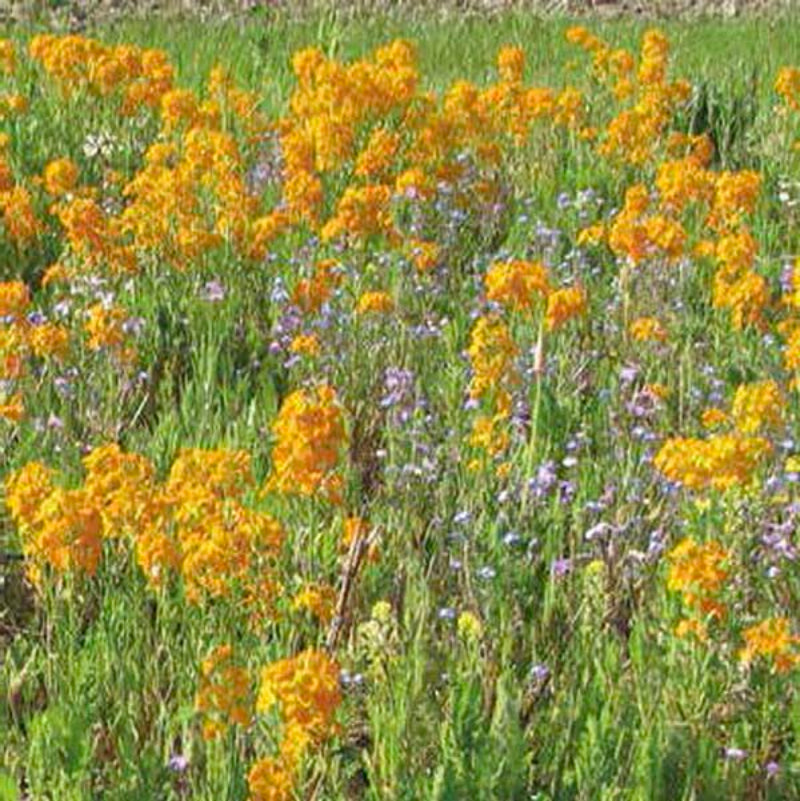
column 12, row 409
column 469, row 627
column 491, row 352
column 306, row 690
column 756, row 406
column 720, row 462
column 60, row 177
column 772, row 639
column 306, row 344
column 691, row 628
column 15, row 297
column 711, row 418
column 310, row 436
column 647, row 329
column 564, row 305
column 699, row 572
column 511, row 63
column 375, row 302
column 49, row 340
column 381, row 611
column 517, row 284
column 223, row 697
column 318, row 599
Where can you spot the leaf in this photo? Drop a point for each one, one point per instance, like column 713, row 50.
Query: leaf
column 8, row 788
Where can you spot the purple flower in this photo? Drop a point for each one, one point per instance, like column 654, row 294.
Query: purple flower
column 213, row 291
column 178, row 763
column 55, row 422
column 540, row 673
column 561, row 567
column 772, row 768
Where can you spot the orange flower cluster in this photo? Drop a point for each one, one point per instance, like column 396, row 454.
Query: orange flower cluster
column 316, row 599
column 137, row 76
column 638, row 235
column 189, row 199
column 772, row 639
column 310, row 436
column 59, row 528
column 492, row 351
column 105, row 328
column 756, row 406
column 17, row 213
column 305, row 689
column 787, row 85
column 223, row 697
column 21, row 339
column 195, row 523
column 8, row 56
column 564, row 305
column 698, row 571
column 310, row 293
column 647, row 329
column 217, row 542
column 726, row 459
column 517, row 284
column 634, row 134
column 720, row 462
column 375, row 303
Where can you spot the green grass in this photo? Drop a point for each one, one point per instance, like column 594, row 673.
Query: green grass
column 577, row 687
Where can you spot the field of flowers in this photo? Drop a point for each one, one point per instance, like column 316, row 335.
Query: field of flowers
column 400, row 409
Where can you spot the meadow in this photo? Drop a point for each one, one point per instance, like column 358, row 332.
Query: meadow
column 400, row 406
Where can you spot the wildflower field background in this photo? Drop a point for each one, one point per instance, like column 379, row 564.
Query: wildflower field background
column 400, row 406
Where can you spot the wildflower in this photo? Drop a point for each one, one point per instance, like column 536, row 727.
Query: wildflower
column 105, row 327
column 699, row 572
column 223, row 697
column 310, row 434
column 757, row 405
column 720, row 462
column 49, row 340
column 8, row 59
column 379, row 153
column 270, row 780
column 15, row 297
column 306, row 344
column 18, row 216
column 516, row 284
column 375, row 302
column 12, row 408
column 306, row 690
column 564, row 305
column 469, row 627
column 647, row 329
column 511, row 64
column 711, row 418
column 491, row 352
column 318, row 600
column 424, row 255
column 787, row 85
column 735, row 754
column 356, row 527
column 773, row 640
column 60, row 177
column 691, row 628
